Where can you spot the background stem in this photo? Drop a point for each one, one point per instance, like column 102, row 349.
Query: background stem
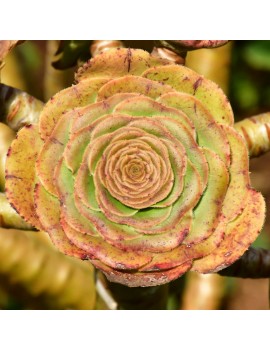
column 17, row 108
column 255, row 263
column 256, row 132
column 34, row 272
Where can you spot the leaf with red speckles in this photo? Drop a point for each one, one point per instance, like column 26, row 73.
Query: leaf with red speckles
column 21, row 174
column 118, row 63
column 239, row 235
column 48, row 212
column 131, row 84
column 76, row 96
column 185, row 80
column 141, row 278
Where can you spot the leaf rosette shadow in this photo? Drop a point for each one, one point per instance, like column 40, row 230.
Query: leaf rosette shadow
column 138, row 168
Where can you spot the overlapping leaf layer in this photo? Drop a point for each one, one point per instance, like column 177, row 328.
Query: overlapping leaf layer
column 138, row 168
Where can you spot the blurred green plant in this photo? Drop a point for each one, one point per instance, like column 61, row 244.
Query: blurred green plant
column 70, row 52
column 250, row 75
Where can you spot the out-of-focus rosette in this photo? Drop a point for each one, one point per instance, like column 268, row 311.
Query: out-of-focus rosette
column 138, row 168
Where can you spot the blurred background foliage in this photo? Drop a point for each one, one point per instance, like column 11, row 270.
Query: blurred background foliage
column 250, row 74
column 242, row 69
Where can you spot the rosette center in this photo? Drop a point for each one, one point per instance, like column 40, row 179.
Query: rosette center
column 137, row 172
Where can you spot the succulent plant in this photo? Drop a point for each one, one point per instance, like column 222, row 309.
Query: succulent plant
column 137, row 168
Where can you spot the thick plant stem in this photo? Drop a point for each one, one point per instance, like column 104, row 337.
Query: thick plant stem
column 188, row 45
column 203, row 291
column 255, row 264
column 256, row 132
column 181, row 47
column 99, row 46
column 29, row 265
column 18, row 108
column 168, row 54
column 150, row 298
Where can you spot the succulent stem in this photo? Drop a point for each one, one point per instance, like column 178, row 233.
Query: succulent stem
column 99, row 46
column 255, row 264
column 175, row 58
column 149, row 298
column 179, row 48
column 18, row 108
column 188, row 45
column 256, row 132
column 203, row 291
column 44, row 274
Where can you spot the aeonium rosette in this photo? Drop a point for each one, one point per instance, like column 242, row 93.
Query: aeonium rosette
column 138, row 168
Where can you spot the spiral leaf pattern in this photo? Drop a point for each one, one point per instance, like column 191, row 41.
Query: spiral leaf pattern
column 138, row 169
